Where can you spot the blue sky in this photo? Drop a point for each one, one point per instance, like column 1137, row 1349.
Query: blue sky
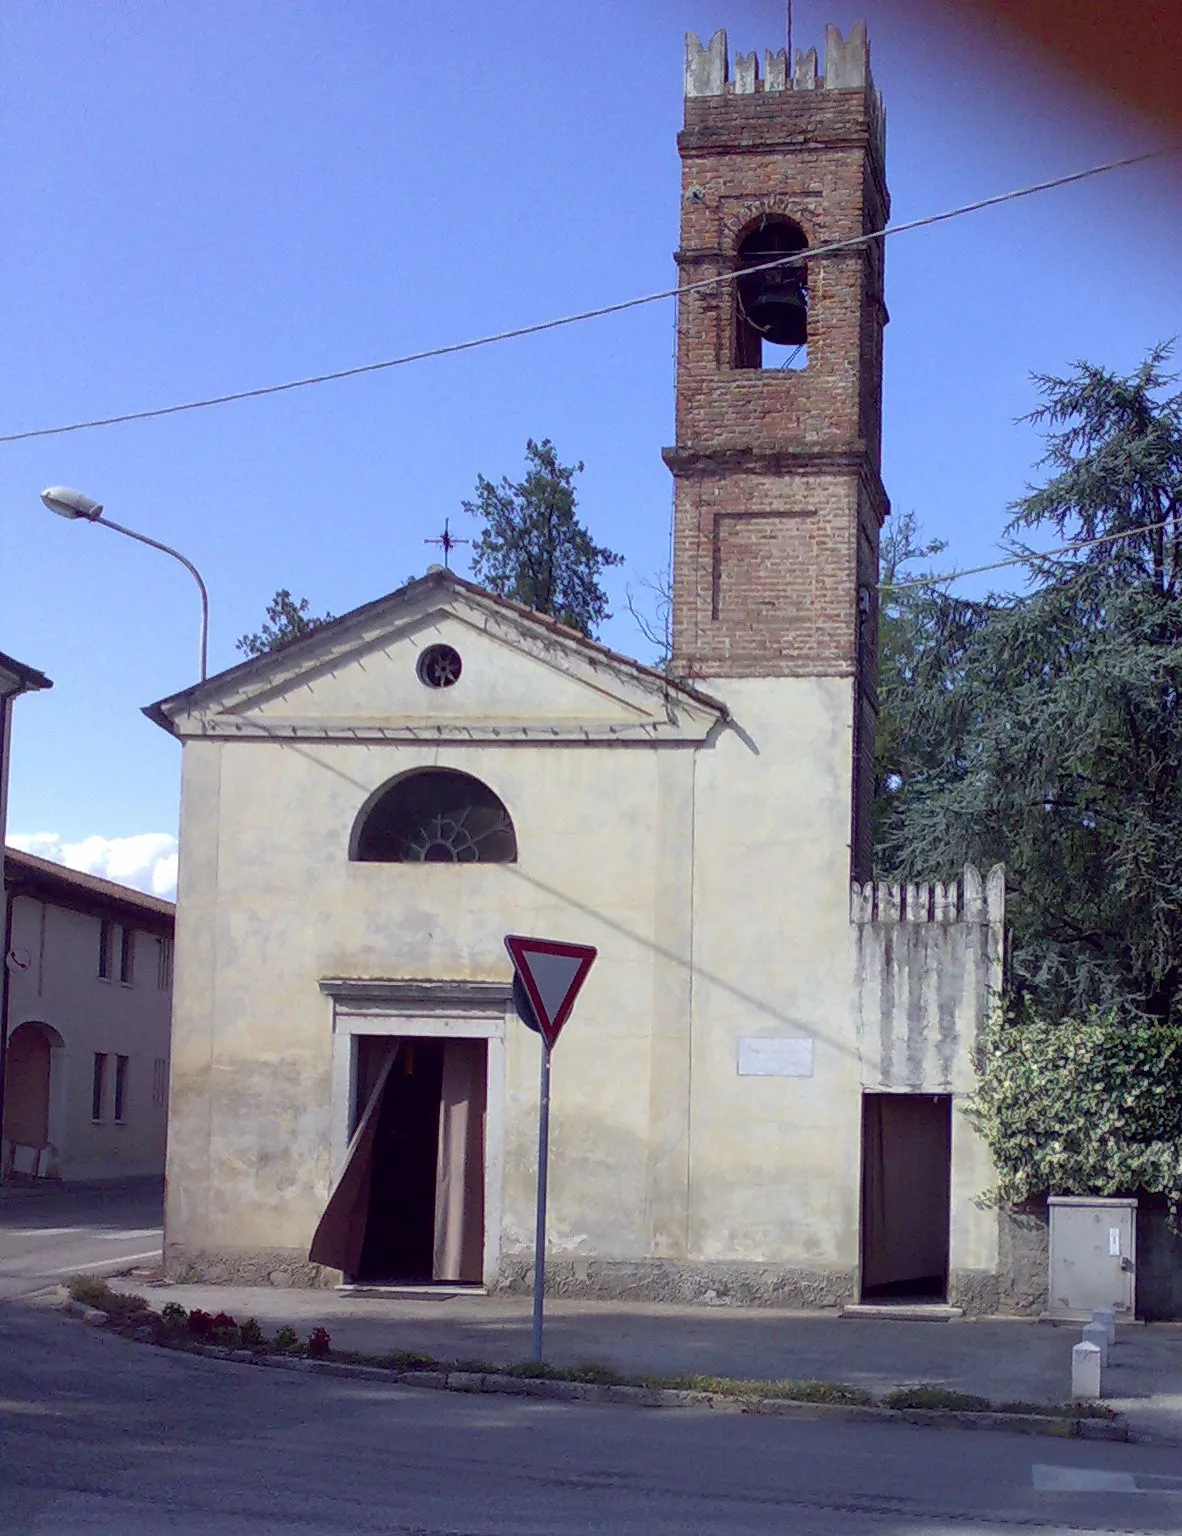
column 204, row 198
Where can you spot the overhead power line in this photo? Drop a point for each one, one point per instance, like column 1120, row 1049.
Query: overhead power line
column 833, row 248
column 1034, row 554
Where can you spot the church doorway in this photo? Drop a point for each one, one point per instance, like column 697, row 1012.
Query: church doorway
column 408, row 1208
column 906, row 1191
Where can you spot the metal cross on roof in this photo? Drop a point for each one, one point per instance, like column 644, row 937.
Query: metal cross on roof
column 447, row 541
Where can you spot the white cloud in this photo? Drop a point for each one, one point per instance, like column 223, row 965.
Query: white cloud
column 146, row 862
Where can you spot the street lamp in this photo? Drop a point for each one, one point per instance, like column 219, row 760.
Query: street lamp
column 73, row 504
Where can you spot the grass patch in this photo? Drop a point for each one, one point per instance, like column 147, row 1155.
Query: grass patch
column 597, row 1376
column 928, row 1396
column 1059, row 1410
column 89, row 1290
column 92, row 1291
column 533, row 1370
column 838, row 1392
column 407, row 1360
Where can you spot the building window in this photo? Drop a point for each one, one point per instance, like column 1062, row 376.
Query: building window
column 159, row 1081
column 127, row 956
column 439, row 666
column 435, row 816
column 98, row 1090
column 163, row 964
column 120, row 1089
column 106, row 934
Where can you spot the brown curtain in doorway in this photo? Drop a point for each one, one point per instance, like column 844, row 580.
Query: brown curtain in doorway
column 340, row 1234
column 459, row 1180
column 905, row 1188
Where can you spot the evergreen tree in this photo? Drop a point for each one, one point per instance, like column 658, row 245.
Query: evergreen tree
column 286, row 620
column 1050, row 723
column 533, row 548
column 904, row 648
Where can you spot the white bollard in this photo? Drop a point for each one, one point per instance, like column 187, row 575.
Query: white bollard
column 1107, row 1316
column 1085, row 1373
column 1097, row 1334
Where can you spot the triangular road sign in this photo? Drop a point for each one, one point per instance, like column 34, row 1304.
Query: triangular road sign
column 551, row 973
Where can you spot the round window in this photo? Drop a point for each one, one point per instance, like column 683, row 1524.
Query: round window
column 440, row 666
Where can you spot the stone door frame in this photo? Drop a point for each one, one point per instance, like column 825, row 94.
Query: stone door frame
column 432, row 1010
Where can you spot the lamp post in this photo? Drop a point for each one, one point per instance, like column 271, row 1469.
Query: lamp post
column 74, row 505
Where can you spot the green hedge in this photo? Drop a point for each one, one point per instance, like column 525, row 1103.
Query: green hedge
column 1080, row 1106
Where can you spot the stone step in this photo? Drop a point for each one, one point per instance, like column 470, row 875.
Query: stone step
column 905, row 1311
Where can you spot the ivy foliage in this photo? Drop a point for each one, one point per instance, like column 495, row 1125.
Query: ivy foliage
column 1085, row 1106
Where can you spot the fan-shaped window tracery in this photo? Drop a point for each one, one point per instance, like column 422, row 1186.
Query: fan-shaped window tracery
column 436, row 816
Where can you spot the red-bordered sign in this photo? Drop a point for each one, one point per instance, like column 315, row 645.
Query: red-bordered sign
column 552, row 974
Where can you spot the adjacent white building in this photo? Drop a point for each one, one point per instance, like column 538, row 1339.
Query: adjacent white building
column 86, row 1033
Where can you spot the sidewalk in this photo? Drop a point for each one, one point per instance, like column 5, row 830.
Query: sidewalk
column 1001, row 1360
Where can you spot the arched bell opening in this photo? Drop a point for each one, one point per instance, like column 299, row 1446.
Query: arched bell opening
column 434, row 816
column 772, row 301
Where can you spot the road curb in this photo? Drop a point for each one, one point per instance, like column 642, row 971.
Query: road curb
column 719, row 1402
column 85, row 1314
column 498, row 1384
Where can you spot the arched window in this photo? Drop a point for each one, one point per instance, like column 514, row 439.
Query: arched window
column 435, row 816
column 772, row 306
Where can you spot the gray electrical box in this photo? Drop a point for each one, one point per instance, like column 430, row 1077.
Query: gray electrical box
column 1093, row 1256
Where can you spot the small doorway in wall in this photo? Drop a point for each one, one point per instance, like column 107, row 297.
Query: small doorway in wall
column 906, row 1192
column 25, row 1146
column 408, row 1208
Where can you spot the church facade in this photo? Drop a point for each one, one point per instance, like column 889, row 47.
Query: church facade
column 757, row 1096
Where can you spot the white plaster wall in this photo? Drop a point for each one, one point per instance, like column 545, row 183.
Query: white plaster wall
column 922, row 988
column 500, row 682
column 266, row 829
column 714, row 880
column 62, row 988
column 775, row 1160
column 974, row 1238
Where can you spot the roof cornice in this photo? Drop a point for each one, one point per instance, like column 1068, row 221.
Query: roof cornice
column 214, row 703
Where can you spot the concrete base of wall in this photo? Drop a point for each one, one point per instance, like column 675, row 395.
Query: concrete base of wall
column 1024, row 1248
column 281, row 1267
column 975, row 1291
column 720, row 1284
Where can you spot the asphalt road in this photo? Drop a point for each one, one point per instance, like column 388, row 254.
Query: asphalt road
column 49, row 1232
column 100, row 1435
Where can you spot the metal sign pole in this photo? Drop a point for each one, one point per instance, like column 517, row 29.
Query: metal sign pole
column 540, row 1229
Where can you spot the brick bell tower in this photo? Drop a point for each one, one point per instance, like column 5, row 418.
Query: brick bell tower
column 779, row 496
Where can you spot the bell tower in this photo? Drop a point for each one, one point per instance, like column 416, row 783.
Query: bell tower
column 778, row 491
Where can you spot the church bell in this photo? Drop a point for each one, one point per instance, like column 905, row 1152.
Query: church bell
column 776, row 304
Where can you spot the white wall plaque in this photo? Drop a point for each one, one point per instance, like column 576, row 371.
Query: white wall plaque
column 777, row 1056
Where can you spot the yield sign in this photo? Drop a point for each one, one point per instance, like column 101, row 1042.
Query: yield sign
column 551, row 973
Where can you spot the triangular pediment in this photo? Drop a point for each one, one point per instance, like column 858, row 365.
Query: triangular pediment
column 521, row 677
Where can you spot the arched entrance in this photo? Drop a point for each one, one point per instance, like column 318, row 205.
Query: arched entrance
column 28, row 1077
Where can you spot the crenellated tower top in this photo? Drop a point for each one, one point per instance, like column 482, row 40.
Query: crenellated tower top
column 847, row 68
